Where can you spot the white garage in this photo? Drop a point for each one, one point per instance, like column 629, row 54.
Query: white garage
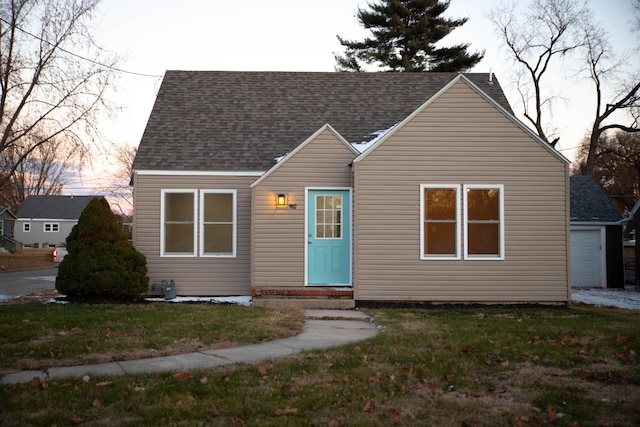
column 588, row 262
column 597, row 258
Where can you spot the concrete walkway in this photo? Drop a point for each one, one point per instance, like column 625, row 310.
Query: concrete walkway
column 322, row 329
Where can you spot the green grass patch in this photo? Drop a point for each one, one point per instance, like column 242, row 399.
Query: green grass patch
column 573, row 366
column 39, row 336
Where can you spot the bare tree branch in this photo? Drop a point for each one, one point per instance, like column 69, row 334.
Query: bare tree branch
column 535, row 39
column 49, row 94
column 601, row 64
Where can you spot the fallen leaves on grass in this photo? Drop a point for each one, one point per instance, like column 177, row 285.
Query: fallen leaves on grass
column 286, row 411
column 104, row 383
column 183, row 376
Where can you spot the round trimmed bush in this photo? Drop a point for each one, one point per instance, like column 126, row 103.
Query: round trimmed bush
column 101, row 263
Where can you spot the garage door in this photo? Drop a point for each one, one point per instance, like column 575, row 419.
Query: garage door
column 586, row 258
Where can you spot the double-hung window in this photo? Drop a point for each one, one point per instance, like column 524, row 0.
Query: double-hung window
column 440, row 231
column 218, row 223
column 51, row 227
column 469, row 215
column 178, row 221
column 198, row 226
column 483, row 222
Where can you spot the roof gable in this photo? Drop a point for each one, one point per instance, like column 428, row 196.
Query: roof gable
column 460, row 77
column 309, row 140
column 5, row 213
column 53, row 207
column 243, row 121
column 589, row 203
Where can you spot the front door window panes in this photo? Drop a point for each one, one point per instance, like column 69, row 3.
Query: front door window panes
column 328, row 217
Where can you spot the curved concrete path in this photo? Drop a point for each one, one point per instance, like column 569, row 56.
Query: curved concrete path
column 322, row 329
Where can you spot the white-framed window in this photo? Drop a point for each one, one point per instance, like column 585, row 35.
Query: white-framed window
column 440, row 221
column 26, row 227
column 178, row 223
column 484, row 222
column 51, row 227
column 473, row 213
column 198, row 223
column 218, row 223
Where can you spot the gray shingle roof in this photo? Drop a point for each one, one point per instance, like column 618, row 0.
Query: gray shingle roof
column 5, row 213
column 242, row 121
column 54, row 207
column 589, row 203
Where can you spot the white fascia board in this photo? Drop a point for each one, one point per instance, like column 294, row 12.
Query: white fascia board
column 49, row 219
column 286, row 158
column 408, row 119
column 198, row 173
column 578, row 224
column 516, row 121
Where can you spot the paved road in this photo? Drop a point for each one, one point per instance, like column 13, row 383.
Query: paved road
column 25, row 282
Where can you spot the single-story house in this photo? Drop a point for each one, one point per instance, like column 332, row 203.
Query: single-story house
column 377, row 187
column 597, row 250
column 46, row 221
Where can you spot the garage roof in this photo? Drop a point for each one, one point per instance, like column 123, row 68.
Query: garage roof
column 589, row 203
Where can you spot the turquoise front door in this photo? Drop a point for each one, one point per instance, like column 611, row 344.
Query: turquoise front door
column 329, row 237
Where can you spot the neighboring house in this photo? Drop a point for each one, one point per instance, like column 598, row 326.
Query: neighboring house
column 7, row 222
column 46, row 221
column 597, row 251
column 381, row 187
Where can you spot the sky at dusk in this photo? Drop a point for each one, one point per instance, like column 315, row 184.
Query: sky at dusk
column 153, row 36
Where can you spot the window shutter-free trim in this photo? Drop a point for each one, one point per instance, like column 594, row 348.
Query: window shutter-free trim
column 436, row 221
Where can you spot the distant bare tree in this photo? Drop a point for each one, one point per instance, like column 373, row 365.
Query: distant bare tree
column 42, row 173
column 48, row 92
column 546, row 31
column 617, row 167
column 601, row 65
column 118, row 188
column 550, row 31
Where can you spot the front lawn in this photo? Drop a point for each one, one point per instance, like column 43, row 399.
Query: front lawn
column 40, row 336
column 574, row 366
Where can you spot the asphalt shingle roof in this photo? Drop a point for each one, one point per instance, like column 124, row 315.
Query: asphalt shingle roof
column 589, row 203
column 54, row 207
column 242, row 121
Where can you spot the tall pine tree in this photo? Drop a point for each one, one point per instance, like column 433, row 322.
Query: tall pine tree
column 404, row 34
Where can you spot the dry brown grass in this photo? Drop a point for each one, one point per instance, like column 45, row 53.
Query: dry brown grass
column 29, row 259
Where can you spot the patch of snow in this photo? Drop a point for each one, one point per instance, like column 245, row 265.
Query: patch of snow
column 377, row 136
column 44, row 278
column 279, row 159
column 628, row 298
column 246, row 301
column 3, row 297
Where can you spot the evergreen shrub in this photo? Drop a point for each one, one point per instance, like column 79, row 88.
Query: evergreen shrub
column 101, row 264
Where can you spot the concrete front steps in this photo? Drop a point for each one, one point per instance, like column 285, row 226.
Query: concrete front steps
column 316, row 297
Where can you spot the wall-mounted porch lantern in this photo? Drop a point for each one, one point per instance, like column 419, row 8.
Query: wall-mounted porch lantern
column 281, row 200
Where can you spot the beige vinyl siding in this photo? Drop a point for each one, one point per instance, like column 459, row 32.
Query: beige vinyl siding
column 461, row 139
column 278, row 234
column 194, row 276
